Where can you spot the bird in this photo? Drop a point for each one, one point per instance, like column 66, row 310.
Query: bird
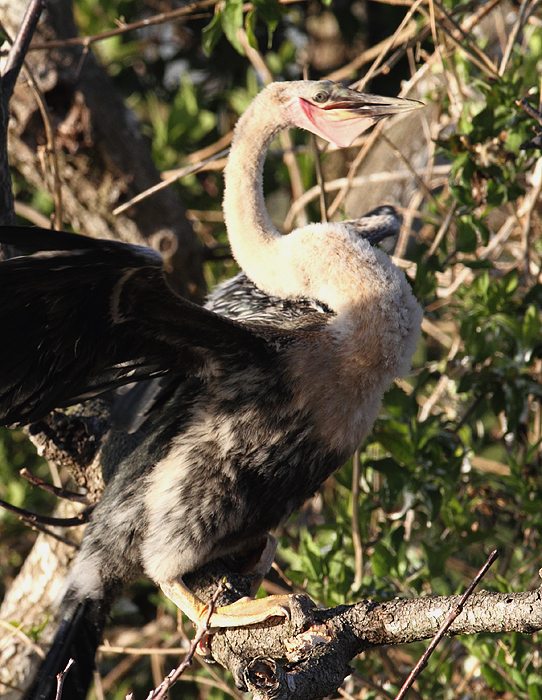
column 258, row 409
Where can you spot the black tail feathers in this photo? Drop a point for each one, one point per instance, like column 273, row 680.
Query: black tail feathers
column 77, row 638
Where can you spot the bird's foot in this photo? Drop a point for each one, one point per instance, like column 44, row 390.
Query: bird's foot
column 246, row 611
column 251, row 611
column 257, row 566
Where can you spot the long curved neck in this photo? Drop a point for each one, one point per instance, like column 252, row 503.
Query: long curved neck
column 254, row 241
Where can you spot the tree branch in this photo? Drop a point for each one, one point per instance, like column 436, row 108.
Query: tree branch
column 20, row 46
column 7, row 83
column 317, row 659
column 308, row 656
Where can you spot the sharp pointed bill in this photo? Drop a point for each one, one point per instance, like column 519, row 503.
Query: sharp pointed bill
column 340, row 115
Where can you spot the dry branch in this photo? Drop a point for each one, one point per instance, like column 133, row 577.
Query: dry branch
column 308, row 656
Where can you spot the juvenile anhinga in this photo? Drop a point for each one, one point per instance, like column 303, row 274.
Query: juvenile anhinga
column 261, row 411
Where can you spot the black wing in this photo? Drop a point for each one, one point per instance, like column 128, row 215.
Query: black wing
column 90, row 315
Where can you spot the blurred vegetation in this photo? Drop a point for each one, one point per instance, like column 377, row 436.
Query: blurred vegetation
column 453, row 467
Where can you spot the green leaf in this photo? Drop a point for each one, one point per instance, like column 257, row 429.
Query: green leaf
column 478, row 264
column 466, row 235
column 395, row 438
column 494, row 679
column 534, row 688
column 250, row 24
column 382, row 560
column 531, row 330
column 212, row 33
column 270, row 11
column 232, row 21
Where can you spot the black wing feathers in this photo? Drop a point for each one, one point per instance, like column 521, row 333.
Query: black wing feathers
column 96, row 315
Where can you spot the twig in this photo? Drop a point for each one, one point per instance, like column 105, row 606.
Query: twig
column 18, row 632
column 462, row 40
column 160, row 692
column 19, row 47
column 535, row 142
column 61, row 677
column 177, row 175
column 160, row 18
column 319, row 178
column 356, row 531
column 317, row 165
column 442, row 230
column 372, row 685
column 50, row 137
column 372, row 53
column 60, row 493
column 421, row 184
column 387, row 46
column 79, row 519
column 141, row 651
column 188, row 12
column 522, row 17
column 360, row 181
column 35, row 217
column 454, row 613
column 50, row 533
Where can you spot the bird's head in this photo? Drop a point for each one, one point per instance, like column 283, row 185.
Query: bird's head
column 338, row 114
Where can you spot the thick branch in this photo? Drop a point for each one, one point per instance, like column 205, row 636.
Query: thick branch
column 315, row 647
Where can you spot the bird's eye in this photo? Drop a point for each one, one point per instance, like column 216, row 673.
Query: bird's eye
column 321, row 97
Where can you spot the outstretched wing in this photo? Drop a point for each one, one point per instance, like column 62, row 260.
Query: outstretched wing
column 88, row 315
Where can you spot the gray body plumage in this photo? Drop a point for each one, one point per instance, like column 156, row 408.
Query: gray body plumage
column 238, row 429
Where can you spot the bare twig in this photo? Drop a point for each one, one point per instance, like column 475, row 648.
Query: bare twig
column 360, row 181
column 141, row 651
column 186, row 12
column 161, row 691
column 442, row 230
column 19, row 47
column 356, row 531
column 454, row 613
column 61, row 677
column 40, row 528
column 373, row 52
column 522, row 17
column 178, row 174
column 50, row 136
column 370, row 684
column 79, row 519
column 86, row 41
column 60, row 493
column 536, row 141
column 27, row 212
column 387, row 46
column 400, row 156
column 459, row 36
column 18, row 632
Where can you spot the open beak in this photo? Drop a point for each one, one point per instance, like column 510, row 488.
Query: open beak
column 341, row 121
